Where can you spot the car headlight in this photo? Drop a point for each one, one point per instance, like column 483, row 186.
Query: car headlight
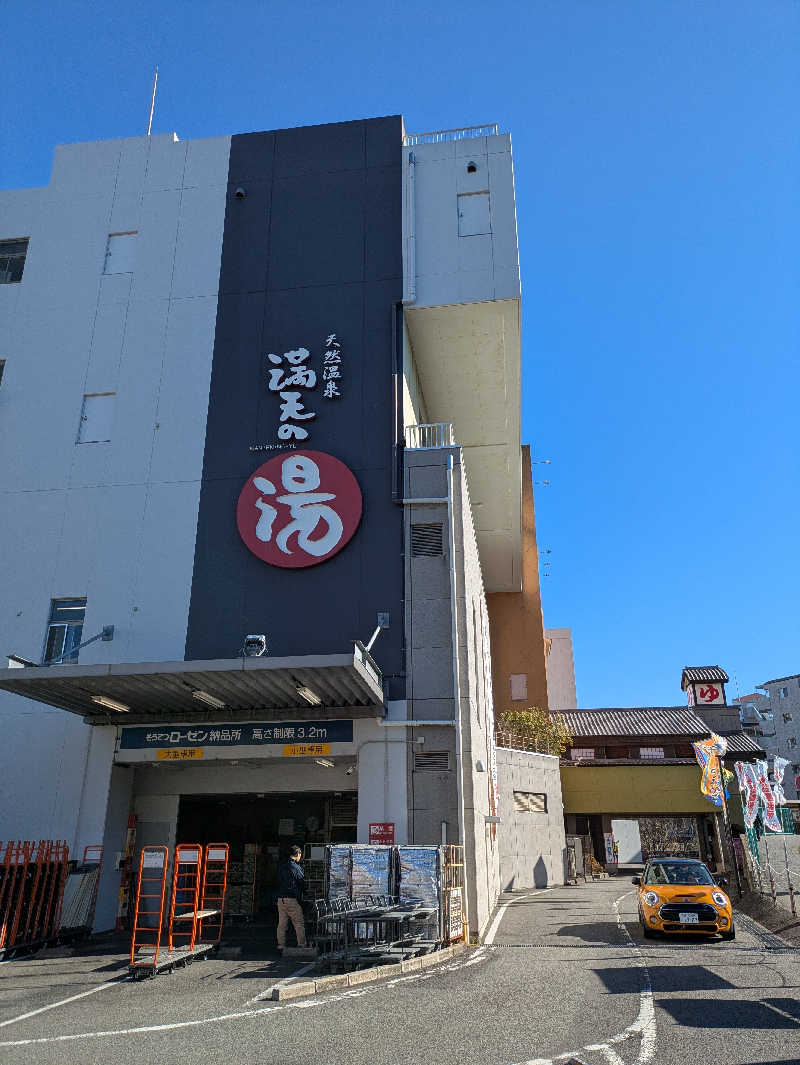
column 650, row 898
column 719, row 898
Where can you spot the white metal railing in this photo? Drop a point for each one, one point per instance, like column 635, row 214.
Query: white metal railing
column 440, row 135
column 436, row 434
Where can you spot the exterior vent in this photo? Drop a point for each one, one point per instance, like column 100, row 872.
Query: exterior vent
column 431, row 761
column 426, row 540
column 344, row 810
column 530, row 802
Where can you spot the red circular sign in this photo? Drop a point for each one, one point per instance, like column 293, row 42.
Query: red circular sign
column 298, row 509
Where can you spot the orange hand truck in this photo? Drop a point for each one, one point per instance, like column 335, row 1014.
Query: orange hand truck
column 148, row 914
column 212, row 895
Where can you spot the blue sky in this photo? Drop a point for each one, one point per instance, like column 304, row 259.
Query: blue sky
column 656, row 149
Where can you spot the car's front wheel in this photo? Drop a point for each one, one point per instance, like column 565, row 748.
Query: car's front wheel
column 729, row 935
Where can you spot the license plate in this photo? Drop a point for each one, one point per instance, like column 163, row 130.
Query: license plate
column 689, row 918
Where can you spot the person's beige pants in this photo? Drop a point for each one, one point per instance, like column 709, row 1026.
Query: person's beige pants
column 291, row 910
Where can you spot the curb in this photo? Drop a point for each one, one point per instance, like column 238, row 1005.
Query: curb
column 304, row 988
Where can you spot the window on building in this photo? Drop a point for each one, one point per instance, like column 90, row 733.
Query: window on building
column 2, row 370
column 473, row 214
column 578, row 753
column 12, row 260
column 651, row 752
column 793, row 741
column 530, row 802
column 120, row 253
column 783, row 693
column 64, row 629
column 96, row 417
column 787, row 717
column 519, row 686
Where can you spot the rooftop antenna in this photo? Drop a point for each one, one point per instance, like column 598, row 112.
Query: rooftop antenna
column 152, row 103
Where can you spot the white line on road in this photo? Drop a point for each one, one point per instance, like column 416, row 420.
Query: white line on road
column 61, row 1002
column 488, row 939
column 322, row 1000
column 267, row 992
column 644, row 1025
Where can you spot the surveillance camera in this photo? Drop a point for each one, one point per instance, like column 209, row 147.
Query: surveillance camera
column 255, row 646
column 239, row 193
column 350, row 770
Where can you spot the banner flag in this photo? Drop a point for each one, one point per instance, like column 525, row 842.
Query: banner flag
column 707, row 753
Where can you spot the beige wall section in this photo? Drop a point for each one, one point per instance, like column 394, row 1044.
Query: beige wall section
column 561, row 691
column 515, row 618
column 532, row 842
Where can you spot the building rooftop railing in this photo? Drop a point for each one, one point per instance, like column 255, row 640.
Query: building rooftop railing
column 436, row 434
column 439, row 136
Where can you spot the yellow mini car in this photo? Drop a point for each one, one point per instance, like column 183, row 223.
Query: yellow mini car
column 681, row 895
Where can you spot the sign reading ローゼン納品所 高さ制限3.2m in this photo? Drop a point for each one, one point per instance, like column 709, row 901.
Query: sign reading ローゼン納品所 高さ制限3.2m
column 298, row 509
column 268, row 739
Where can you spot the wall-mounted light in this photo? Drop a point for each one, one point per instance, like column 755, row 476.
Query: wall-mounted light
column 326, row 762
column 112, row 704
column 310, row 696
column 209, row 700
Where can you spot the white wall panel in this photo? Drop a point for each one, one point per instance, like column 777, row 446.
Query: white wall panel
column 84, row 170
column 163, row 573
column 158, row 231
column 138, row 388
column 470, row 268
column 207, row 162
column 32, row 530
column 134, row 153
column 74, row 561
column 126, row 213
column 66, row 253
column 202, row 217
column 112, row 582
column 106, row 348
column 39, row 430
column 114, row 288
column 185, row 382
column 90, row 828
column 166, row 163
column 40, row 785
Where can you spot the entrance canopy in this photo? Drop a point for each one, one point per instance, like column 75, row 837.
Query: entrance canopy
column 315, row 686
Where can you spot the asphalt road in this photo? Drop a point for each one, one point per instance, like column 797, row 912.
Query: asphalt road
column 567, row 976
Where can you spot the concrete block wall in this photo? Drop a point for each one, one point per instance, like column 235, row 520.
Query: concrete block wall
column 532, row 845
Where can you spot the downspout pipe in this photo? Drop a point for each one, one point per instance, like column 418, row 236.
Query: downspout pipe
column 456, row 676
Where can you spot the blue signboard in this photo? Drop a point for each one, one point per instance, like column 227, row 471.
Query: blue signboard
column 236, row 735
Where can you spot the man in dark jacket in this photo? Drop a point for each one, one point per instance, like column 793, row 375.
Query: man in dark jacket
column 290, row 892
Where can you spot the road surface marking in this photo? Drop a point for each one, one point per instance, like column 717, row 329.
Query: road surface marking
column 488, row 939
column 61, row 1002
column 267, row 992
column 644, row 1025
column 321, row 1000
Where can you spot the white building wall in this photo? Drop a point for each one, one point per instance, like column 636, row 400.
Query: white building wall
column 476, row 709
column 560, row 666
column 453, row 268
column 88, row 519
column 532, row 844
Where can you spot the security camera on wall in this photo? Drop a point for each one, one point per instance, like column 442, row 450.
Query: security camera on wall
column 255, row 646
